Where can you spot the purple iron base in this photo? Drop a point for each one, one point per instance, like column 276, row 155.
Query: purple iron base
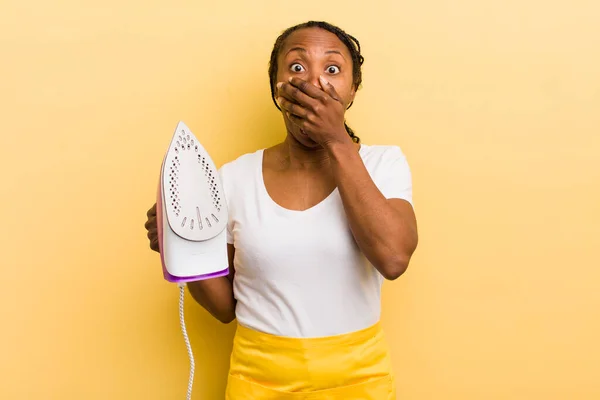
column 185, row 279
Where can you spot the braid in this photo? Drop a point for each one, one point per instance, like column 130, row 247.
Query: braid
column 351, row 43
column 355, row 138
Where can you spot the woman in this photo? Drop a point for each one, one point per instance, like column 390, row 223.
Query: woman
column 316, row 224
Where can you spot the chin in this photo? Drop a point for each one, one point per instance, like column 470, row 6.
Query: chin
column 300, row 137
column 305, row 140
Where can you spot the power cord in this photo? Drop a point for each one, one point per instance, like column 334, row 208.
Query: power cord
column 187, row 340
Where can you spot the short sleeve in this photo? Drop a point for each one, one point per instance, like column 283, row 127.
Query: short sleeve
column 225, row 185
column 395, row 179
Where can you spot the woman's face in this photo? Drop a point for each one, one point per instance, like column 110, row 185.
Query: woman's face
column 308, row 53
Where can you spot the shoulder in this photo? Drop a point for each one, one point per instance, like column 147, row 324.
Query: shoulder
column 236, row 175
column 377, row 157
column 240, row 166
column 389, row 169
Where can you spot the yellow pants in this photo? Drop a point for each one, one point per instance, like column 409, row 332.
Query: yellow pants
column 354, row 366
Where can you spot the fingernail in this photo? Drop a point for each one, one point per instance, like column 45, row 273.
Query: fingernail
column 290, row 79
column 323, row 80
column 279, row 85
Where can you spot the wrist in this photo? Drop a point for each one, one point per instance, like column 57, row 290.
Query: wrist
column 340, row 150
column 342, row 142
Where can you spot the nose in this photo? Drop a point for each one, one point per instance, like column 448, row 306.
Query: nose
column 314, row 78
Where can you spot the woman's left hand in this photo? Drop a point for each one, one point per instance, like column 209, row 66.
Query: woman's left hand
column 319, row 113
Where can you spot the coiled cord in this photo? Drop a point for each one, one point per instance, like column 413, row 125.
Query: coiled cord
column 187, row 340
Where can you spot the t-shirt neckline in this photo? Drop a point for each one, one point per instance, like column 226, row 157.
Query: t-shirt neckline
column 265, row 194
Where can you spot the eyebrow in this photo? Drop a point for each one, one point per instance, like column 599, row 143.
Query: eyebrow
column 303, row 50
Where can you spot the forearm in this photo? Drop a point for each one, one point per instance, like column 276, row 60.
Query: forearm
column 216, row 296
column 386, row 237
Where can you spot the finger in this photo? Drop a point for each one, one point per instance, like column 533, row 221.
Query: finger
column 294, row 94
column 308, row 88
column 150, row 223
column 292, row 108
column 329, row 89
column 301, row 123
column 152, row 211
column 295, row 120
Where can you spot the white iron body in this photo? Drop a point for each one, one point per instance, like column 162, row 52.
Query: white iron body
column 191, row 212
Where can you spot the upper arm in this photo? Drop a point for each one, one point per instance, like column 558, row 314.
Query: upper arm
column 407, row 213
column 230, row 257
column 395, row 181
column 394, row 177
column 227, row 189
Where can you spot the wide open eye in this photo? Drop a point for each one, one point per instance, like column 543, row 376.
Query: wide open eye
column 297, row 67
column 333, row 69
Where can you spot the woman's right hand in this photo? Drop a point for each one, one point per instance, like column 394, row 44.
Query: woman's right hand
column 152, row 228
column 215, row 295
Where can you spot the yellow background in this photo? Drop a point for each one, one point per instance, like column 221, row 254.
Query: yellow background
column 495, row 103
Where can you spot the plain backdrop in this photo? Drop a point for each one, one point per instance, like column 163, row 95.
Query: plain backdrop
column 495, row 103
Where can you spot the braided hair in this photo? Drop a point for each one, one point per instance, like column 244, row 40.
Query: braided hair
column 351, row 43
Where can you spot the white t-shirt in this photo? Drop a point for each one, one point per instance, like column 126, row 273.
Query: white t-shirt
column 301, row 273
